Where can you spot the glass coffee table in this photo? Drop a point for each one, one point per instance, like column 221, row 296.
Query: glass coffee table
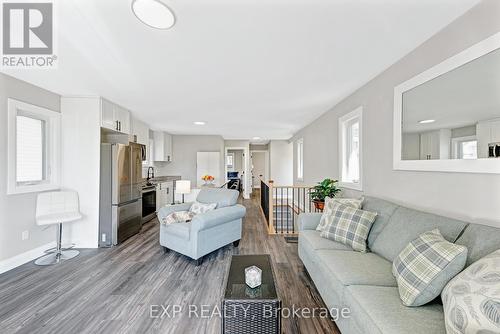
column 247, row 310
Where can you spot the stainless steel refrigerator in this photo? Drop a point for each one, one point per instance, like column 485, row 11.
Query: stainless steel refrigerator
column 120, row 214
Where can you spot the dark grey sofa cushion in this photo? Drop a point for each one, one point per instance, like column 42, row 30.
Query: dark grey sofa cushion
column 480, row 241
column 406, row 225
column 384, row 209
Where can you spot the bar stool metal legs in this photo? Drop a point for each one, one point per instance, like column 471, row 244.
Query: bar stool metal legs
column 59, row 254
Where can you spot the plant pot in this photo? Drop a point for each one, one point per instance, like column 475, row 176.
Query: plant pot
column 319, row 205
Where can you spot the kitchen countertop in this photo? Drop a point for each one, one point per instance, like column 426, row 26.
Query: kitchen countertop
column 160, row 179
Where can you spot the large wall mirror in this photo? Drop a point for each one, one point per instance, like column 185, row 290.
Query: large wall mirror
column 448, row 118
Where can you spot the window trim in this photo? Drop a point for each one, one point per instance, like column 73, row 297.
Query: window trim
column 455, row 142
column 343, row 121
column 52, row 146
column 300, row 159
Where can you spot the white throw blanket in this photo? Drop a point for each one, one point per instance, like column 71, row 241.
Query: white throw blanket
column 178, row 217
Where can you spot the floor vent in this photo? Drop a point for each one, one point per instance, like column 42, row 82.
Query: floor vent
column 292, row 240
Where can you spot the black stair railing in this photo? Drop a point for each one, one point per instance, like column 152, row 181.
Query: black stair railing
column 281, row 206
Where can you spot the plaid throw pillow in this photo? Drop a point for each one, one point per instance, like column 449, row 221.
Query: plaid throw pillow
column 349, row 226
column 425, row 266
column 329, row 204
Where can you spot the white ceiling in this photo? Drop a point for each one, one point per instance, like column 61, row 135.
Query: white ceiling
column 248, row 68
column 459, row 98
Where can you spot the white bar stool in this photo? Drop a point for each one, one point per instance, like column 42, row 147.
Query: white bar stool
column 57, row 208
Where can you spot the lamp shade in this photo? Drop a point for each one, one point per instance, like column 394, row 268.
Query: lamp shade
column 183, row 187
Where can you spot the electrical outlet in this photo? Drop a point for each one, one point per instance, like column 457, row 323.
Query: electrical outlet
column 103, row 237
column 25, row 235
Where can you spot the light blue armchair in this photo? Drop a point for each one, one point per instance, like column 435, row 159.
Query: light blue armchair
column 208, row 231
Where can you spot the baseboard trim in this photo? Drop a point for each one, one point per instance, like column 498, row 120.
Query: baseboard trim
column 16, row 261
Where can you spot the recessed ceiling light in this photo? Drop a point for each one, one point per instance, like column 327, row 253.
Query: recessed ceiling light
column 427, row 121
column 153, row 13
column 256, row 138
column 199, row 123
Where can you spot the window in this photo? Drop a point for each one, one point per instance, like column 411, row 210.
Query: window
column 230, row 160
column 30, row 162
column 350, row 140
column 464, row 148
column 468, row 149
column 33, row 148
column 300, row 159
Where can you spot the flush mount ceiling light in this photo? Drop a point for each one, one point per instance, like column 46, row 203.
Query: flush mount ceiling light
column 153, row 13
column 199, row 123
column 256, row 138
column 427, row 121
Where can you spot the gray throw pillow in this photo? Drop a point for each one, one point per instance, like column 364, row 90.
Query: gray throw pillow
column 471, row 300
column 425, row 266
column 198, row 207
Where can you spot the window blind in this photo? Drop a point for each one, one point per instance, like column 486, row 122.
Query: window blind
column 30, row 149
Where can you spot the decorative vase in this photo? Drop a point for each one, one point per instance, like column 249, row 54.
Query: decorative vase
column 253, row 276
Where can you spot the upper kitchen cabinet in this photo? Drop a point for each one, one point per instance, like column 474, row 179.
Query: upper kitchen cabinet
column 488, row 132
column 141, row 131
column 122, row 115
column 162, row 146
column 114, row 117
column 435, row 144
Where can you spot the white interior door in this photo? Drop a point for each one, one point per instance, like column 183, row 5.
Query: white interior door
column 208, row 163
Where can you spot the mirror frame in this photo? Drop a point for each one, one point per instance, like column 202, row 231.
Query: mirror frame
column 485, row 165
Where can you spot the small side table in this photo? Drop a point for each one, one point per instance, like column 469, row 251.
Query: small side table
column 246, row 310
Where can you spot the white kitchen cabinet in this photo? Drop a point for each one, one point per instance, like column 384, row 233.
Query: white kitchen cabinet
column 435, row 145
column 495, row 131
column 163, row 146
column 429, row 145
column 114, row 117
column 164, row 194
column 169, row 147
column 108, row 120
column 141, row 131
column 122, row 115
column 487, row 132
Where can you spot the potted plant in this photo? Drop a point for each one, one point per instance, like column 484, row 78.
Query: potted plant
column 324, row 189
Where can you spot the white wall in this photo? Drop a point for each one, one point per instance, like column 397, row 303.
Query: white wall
column 17, row 212
column 81, row 155
column 184, row 156
column 259, row 167
column 281, row 162
column 472, row 197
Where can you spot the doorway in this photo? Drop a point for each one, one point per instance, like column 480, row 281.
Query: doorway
column 236, row 166
column 259, row 167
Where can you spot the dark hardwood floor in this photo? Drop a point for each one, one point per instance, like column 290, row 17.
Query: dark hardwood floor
column 112, row 290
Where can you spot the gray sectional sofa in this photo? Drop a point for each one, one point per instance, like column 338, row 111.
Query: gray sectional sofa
column 363, row 282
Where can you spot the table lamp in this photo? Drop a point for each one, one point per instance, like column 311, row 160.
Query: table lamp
column 183, row 187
